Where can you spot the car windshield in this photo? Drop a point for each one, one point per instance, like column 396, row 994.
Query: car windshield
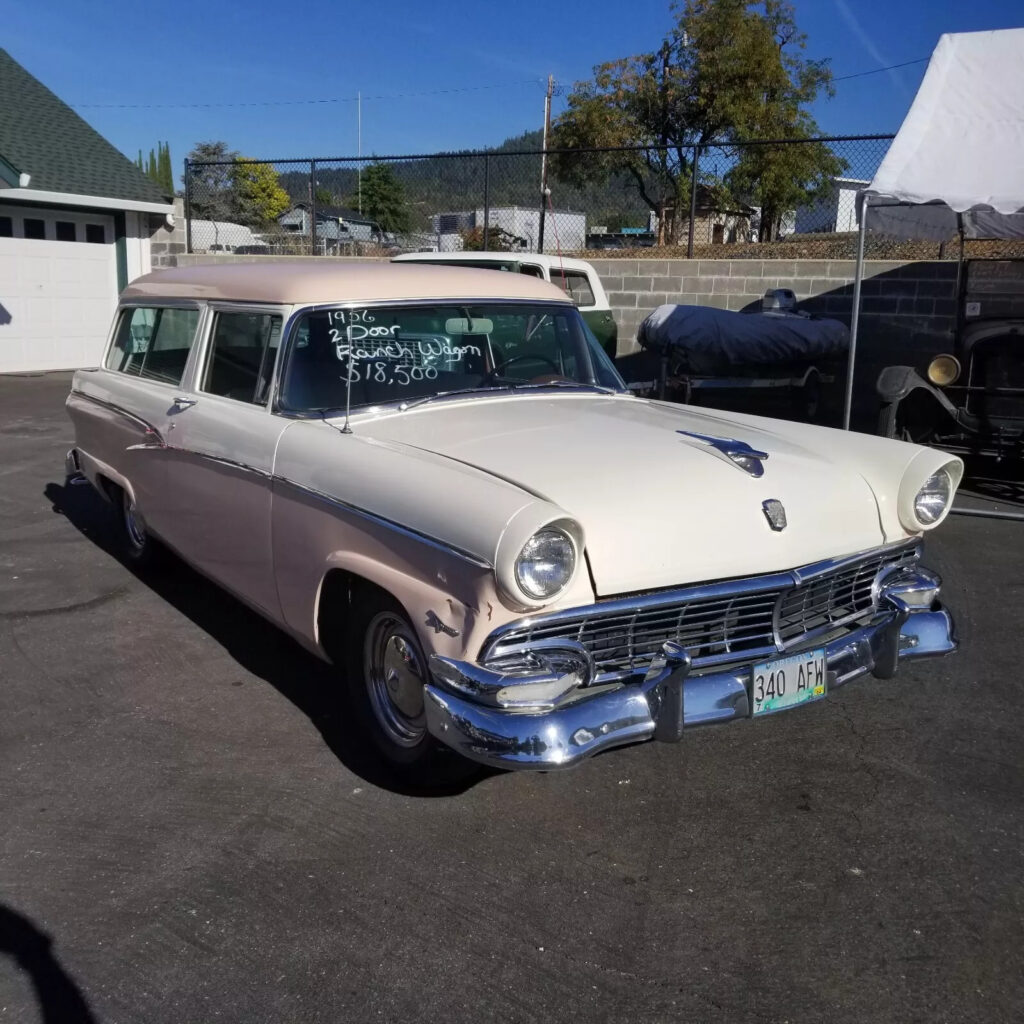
column 406, row 354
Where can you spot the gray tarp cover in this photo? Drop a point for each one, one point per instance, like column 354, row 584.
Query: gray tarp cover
column 714, row 341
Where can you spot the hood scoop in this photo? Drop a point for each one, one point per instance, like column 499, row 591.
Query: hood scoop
column 739, row 453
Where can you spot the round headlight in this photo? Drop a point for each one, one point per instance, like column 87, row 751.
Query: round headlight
column 934, row 497
column 943, row 370
column 546, row 563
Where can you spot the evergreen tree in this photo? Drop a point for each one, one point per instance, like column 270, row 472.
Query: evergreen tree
column 383, row 198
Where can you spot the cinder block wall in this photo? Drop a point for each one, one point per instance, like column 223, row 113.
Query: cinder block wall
column 167, row 244
column 910, row 301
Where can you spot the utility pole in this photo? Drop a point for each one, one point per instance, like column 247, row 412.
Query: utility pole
column 359, row 147
column 663, row 213
column 544, row 191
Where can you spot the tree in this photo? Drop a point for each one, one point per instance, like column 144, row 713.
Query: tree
column 728, row 71
column 381, row 197
column 158, row 167
column 211, row 173
column 165, row 173
column 324, row 197
column 779, row 179
column 258, row 199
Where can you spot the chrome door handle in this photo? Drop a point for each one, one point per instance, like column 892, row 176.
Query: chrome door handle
column 185, row 403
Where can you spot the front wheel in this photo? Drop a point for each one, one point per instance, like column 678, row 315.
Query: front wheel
column 387, row 671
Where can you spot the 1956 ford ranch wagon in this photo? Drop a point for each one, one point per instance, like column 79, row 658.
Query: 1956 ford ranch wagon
column 435, row 479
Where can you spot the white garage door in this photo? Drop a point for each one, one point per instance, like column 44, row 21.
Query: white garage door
column 58, row 287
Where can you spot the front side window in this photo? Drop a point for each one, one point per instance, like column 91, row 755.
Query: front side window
column 243, row 347
column 400, row 354
column 154, row 343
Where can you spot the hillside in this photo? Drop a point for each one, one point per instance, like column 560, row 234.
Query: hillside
column 455, row 181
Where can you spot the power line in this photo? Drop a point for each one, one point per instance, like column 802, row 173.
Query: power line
column 559, row 90
column 878, row 71
column 295, row 103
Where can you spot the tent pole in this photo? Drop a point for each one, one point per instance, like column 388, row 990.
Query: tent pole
column 855, row 319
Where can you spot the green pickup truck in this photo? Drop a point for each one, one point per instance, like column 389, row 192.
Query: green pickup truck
column 576, row 277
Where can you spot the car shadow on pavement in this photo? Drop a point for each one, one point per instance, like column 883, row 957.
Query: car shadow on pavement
column 313, row 686
column 60, row 1000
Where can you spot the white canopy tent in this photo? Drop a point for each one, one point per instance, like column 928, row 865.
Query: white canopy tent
column 956, row 166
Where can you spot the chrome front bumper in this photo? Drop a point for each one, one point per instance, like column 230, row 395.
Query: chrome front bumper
column 670, row 696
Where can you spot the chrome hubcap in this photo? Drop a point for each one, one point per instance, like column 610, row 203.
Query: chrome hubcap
column 395, row 675
column 134, row 524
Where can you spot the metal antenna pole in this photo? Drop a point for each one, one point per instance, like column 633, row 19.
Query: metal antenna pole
column 346, row 429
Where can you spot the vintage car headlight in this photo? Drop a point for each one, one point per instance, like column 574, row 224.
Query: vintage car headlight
column 934, row 497
column 943, row 370
column 546, row 563
column 926, row 494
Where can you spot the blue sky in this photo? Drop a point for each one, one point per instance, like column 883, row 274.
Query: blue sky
column 454, row 74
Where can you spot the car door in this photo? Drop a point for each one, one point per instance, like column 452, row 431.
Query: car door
column 223, row 438
column 121, row 410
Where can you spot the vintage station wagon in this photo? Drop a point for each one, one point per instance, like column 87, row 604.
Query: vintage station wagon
column 435, row 479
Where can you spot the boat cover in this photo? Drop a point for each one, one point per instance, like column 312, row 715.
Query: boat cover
column 715, row 341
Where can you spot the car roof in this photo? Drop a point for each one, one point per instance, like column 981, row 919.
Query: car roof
column 543, row 259
column 297, row 282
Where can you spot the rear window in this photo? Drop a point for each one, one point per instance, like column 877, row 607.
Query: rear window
column 154, row 343
column 574, row 283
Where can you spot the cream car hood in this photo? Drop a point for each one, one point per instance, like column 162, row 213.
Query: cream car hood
column 658, row 507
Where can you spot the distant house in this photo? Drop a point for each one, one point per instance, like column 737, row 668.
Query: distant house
column 76, row 220
column 334, row 225
column 834, row 211
column 716, row 222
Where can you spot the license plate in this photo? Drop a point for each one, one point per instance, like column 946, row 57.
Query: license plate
column 786, row 682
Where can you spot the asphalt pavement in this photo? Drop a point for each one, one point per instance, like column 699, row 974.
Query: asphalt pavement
column 192, row 830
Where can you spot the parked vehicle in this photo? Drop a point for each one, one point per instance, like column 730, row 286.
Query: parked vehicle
column 715, row 357
column 971, row 400
column 435, row 479
column 576, row 278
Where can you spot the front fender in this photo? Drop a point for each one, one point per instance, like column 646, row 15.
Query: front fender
column 896, row 383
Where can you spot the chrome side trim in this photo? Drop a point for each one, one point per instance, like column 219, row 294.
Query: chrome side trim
column 785, row 580
column 148, row 427
column 159, row 444
column 406, row 531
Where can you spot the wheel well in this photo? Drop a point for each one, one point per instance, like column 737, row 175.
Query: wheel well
column 109, row 489
column 338, row 591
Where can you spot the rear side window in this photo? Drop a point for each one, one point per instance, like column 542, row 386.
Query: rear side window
column 575, row 284
column 154, row 343
column 243, row 347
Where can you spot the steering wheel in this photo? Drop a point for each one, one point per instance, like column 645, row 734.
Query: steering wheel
column 505, row 363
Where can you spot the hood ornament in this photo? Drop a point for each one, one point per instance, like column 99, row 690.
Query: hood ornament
column 739, row 453
column 775, row 513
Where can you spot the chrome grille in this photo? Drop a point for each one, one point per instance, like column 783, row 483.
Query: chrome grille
column 716, row 623
column 835, row 597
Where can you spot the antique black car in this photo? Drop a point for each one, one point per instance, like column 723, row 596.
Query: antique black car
column 970, row 401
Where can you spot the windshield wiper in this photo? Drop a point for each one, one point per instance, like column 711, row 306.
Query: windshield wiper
column 566, row 384
column 406, row 406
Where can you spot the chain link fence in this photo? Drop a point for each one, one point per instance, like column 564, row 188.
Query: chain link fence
column 785, row 199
